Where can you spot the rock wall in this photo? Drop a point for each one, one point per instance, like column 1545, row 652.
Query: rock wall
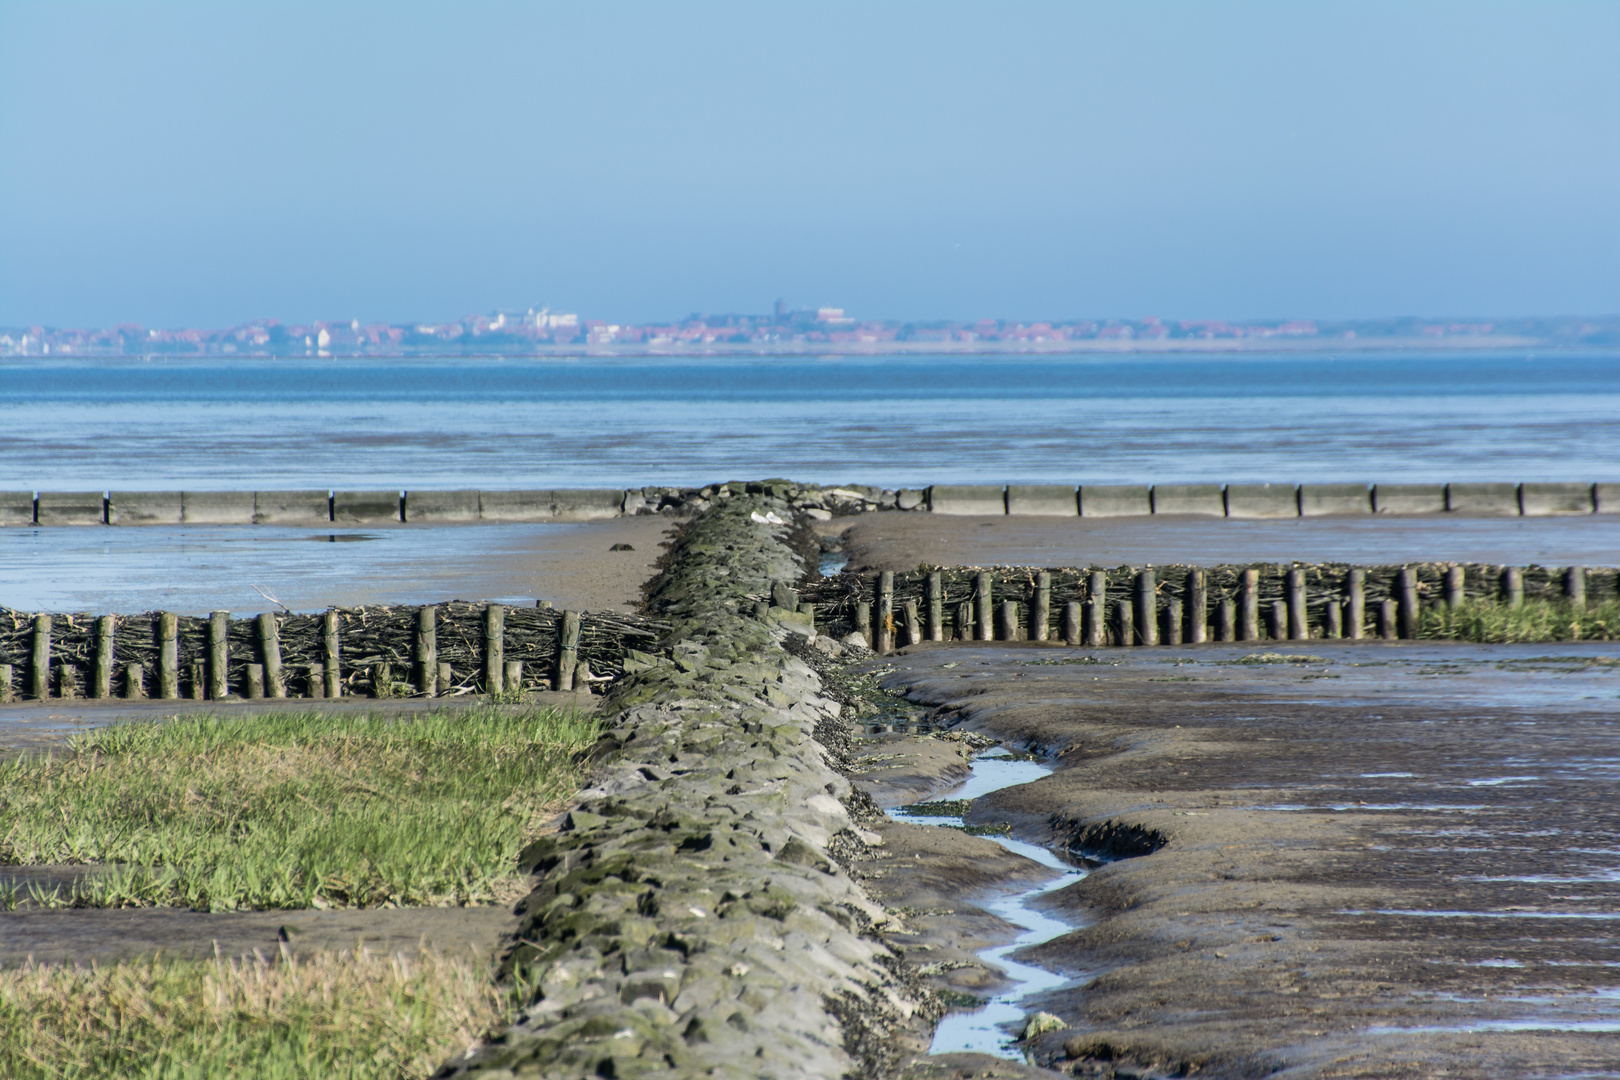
column 691, row 919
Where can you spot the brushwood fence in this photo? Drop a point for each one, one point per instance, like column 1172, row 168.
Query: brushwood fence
column 380, row 651
column 1177, row 604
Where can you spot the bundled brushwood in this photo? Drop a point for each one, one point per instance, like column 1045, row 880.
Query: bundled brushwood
column 835, row 598
column 376, row 658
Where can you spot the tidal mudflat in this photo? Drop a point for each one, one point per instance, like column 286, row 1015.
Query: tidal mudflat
column 1313, row 860
column 195, row 569
column 901, row 541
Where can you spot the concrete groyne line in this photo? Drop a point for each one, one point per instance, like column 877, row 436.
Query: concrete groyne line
column 691, row 919
column 461, row 507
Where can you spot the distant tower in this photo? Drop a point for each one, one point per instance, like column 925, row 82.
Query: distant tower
column 781, row 310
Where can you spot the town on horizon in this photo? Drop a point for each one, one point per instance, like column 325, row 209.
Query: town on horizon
column 543, row 332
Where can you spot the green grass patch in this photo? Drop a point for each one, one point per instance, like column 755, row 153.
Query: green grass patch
column 295, row 810
column 1489, row 621
column 343, row 1015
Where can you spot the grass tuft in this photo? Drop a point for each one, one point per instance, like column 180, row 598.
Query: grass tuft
column 1536, row 620
column 355, row 1016
column 295, row 810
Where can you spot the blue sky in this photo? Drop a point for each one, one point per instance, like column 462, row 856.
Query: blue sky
column 207, row 163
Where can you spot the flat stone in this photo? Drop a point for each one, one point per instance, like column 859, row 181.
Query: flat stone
column 1409, row 498
column 1320, row 500
column 1115, row 500
column 1043, row 500
column 1262, row 501
column 1188, row 499
column 967, row 499
column 1541, row 499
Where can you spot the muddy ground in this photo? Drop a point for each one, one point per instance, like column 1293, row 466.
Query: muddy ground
column 1334, row 860
column 902, row 541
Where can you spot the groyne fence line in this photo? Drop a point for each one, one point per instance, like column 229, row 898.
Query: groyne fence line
column 380, row 652
column 1173, row 605
column 1529, row 499
column 386, row 507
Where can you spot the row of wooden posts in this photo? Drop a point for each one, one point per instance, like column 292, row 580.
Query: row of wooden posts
column 1139, row 619
column 209, row 679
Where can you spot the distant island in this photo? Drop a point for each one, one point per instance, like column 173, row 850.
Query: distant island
column 819, row 332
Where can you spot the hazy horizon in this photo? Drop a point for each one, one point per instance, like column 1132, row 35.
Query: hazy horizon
column 189, row 164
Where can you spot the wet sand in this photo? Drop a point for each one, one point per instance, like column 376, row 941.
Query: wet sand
column 896, row 541
column 1371, row 860
column 195, row 569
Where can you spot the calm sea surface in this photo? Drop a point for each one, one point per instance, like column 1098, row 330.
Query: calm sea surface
column 164, row 424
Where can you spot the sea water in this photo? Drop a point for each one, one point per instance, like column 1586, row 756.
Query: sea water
column 163, row 424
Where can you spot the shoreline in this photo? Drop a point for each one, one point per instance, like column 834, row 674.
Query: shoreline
column 903, row 350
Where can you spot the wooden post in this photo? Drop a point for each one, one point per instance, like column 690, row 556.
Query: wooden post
column 885, row 612
column 427, row 650
column 219, row 655
column 39, row 668
column 199, row 680
column 1172, row 623
column 567, row 650
column 5, row 684
column 1298, row 628
column 1355, row 602
column 101, row 673
column 913, row 626
column 936, row 606
column 1386, row 619
column 863, row 620
column 330, row 657
column 270, row 654
column 315, row 679
column 512, row 677
column 1454, row 586
column 1279, row 620
column 1407, row 616
column 168, row 634
column 1007, row 624
column 1196, row 628
column 1249, row 605
column 1071, row 623
column 1226, row 620
column 1097, row 610
column 1040, row 612
column 446, row 679
column 1147, row 604
column 67, row 682
column 1575, row 586
column 964, row 621
column 494, row 648
column 1127, row 630
column 134, row 682
column 982, row 598
column 1512, row 586
column 1335, row 625
column 255, row 681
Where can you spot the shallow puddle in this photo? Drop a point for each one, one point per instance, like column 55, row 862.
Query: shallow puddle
column 985, row 1029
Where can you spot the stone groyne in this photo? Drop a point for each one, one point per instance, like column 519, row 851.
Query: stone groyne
column 691, row 918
